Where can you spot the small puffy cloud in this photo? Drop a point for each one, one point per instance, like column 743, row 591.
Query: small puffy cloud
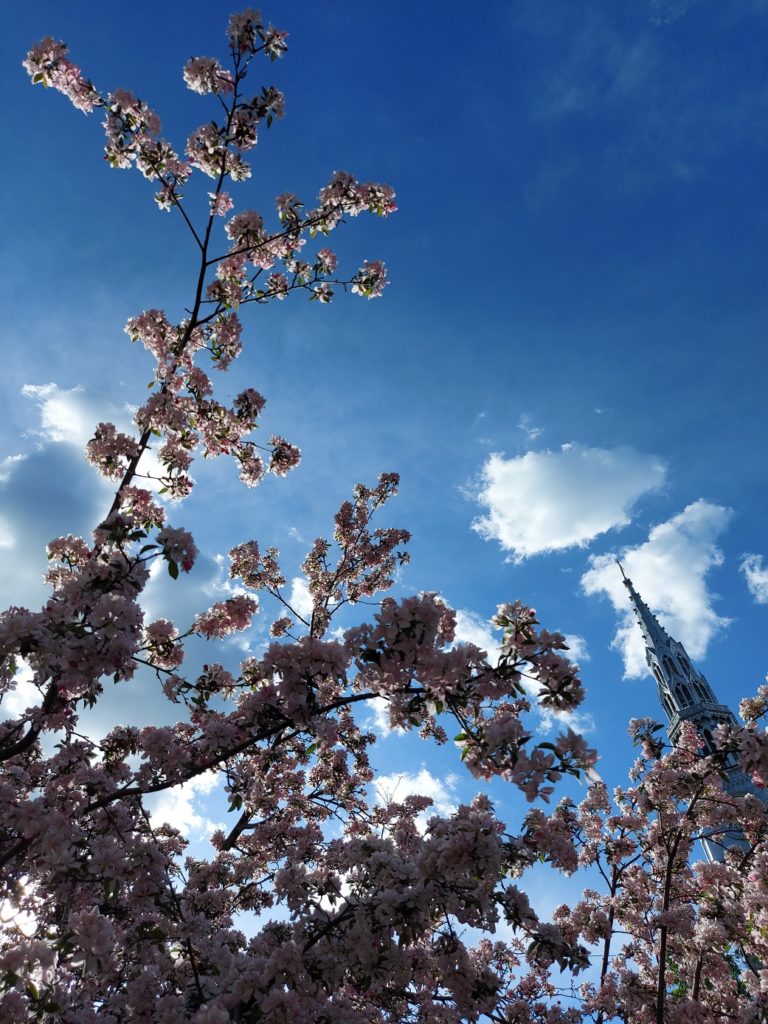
column 756, row 574
column 300, row 598
column 471, row 628
column 577, row 648
column 378, row 719
column 551, row 500
column 669, row 572
column 580, row 722
column 177, row 806
column 397, row 786
column 24, row 694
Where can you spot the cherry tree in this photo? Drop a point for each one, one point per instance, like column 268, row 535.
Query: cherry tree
column 359, row 922
column 673, row 937
column 357, row 912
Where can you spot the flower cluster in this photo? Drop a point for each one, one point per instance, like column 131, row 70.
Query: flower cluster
column 47, row 63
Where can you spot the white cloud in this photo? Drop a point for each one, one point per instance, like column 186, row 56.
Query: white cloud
column 580, row 722
column 70, row 416
column 526, row 424
column 669, row 572
column 397, row 786
column 756, row 574
column 577, row 648
column 300, row 598
column 23, row 695
column 378, row 719
column 176, row 806
column 7, row 466
column 65, row 414
column 550, row 500
column 472, row 628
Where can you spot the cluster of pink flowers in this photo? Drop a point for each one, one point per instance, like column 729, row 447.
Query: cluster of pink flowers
column 225, row 617
column 205, row 74
column 370, row 280
column 178, row 547
column 248, row 34
column 47, row 63
column 110, row 451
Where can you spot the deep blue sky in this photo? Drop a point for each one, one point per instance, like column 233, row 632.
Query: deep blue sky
column 578, row 259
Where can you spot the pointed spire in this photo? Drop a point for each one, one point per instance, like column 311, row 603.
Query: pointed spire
column 653, row 631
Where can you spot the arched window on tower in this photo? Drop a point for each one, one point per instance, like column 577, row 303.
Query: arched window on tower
column 699, row 690
column 708, row 695
column 659, row 677
column 685, row 693
column 684, row 663
column 670, row 666
column 709, row 741
column 667, row 705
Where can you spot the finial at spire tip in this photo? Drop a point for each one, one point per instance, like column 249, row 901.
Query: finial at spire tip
column 622, row 568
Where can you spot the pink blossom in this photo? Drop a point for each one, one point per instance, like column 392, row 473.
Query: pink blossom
column 221, row 203
column 178, row 547
column 284, row 456
column 246, row 229
column 225, row 617
column 46, row 62
column 163, row 647
column 280, row 626
column 205, row 75
column 111, row 451
column 252, row 469
column 326, row 261
column 244, row 29
column 277, row 285
column 370, row 280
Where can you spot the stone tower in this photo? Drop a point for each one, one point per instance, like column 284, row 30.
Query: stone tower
column 685, row 695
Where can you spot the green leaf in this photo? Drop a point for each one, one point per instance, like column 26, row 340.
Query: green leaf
column 173, row 569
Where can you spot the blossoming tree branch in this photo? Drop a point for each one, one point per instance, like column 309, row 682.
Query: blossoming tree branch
column 378, row 918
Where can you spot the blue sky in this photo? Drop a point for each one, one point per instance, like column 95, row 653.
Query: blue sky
column 569, row 363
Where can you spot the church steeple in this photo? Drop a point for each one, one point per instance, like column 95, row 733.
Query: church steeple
column 684, row 692
column 654, row 633
column 686, row 695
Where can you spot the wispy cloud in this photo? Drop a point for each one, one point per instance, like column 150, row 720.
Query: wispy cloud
column 756, row 574
column 669, row 571
column 552, row 500
column 66, row 414
column 526, row 424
